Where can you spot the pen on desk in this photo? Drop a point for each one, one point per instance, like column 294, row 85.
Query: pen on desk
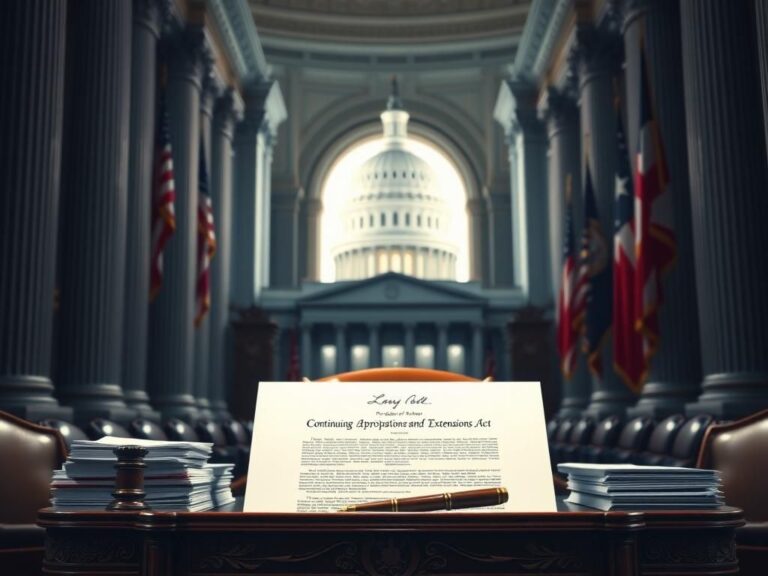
column 444, row 501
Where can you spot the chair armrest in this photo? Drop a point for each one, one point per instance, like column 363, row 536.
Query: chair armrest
column 21, row 536
column 753, row 534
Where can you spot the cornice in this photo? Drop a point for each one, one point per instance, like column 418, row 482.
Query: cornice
column 235, row 25
column 542, row 30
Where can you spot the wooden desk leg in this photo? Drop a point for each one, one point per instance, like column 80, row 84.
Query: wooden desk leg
column 158, row 555
column 622, row 558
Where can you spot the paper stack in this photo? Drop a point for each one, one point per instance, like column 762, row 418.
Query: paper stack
column 178, row 476
column 630, row 487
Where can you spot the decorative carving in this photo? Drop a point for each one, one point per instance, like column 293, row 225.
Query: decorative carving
column 90, row 548
column 246, row 556
column 688, row 548
column 388, row 7
column 537, row 557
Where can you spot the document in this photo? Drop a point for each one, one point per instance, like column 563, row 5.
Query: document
column 320, row 446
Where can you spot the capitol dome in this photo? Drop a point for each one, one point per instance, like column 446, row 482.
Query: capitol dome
column 395, row 219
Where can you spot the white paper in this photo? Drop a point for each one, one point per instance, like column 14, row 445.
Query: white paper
column 318, row 446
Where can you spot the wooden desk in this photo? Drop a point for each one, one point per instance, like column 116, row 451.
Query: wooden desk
column 566, row 542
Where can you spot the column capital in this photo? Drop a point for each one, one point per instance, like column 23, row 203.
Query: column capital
column 188, row 54
column 227, row 111
column 211, row 88
column 148, row 13
column 264, row 107
column 598, row 51
column 559, row 109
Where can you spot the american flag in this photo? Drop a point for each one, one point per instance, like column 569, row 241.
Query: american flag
column 627, row 341
column 596, row 270
column 163, row 198
column 206, row 242
column 655, row 238
column 570, row 305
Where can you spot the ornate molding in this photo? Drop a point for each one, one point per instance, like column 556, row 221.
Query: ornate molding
column 234, row 21
column 542, row 29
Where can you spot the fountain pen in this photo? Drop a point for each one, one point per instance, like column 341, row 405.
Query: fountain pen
column 444, row 501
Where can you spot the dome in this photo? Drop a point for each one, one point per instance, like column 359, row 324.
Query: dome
column 395, row 219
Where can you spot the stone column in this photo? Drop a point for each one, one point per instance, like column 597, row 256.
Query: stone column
column 761, row 8
column 409, row 343
column 342, row 354
column 499, row 241
column 94, row 210
column 374, row 346
column 208, row 93
column 729, row 179
column 559, row 111
column 478, row 351
column 284, row 271
column 307, row 369
column 314, row 210
column 477, row 253
column 246, row 256
column 141, row 158
column 599, row 65
column 31, row 99
column 170, row 375
column 441, row 349
column 266, row 221
column 676, row 368
column 226, row 112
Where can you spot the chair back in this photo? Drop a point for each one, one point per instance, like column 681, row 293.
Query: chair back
column 29, row 453
column 398, row 375
column 235, row 433
column 552, row 426
column 661, row 441
column 582, row 432
column 68, row 431
column 179, row 430
column 146, row 430
column 688, row 440
column 99, row 427
column 740, row 451
column 604, row 438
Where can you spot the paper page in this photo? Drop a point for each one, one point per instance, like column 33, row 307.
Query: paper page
column 318, row 446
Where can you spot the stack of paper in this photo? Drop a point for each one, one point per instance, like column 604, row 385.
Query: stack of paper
column 178, row 476
column 630, row 487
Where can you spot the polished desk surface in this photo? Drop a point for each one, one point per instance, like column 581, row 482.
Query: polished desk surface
column 572, row 541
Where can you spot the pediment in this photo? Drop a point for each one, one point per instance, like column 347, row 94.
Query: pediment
column 391, row 289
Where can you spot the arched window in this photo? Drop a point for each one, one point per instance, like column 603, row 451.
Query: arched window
column 407, row 218
column 418, row 221
column 383, row 219
column 394, row 219
column 362, row 222
column 370, row 221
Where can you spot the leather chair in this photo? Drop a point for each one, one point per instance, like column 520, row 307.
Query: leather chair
column 99, row 427
column 604, row 438
column 685, row 449
column 561, row 440
column 68, row 431
column 29, row 453
column 571, row 451
column 661, row 441
column 633, row 440
column 740, row 451
column 179, row 430
column 210, row 431
column 238, row 440
column 552, row 426
column 146, row 430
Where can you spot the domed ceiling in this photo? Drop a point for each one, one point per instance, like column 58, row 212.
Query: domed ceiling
column 414, row 22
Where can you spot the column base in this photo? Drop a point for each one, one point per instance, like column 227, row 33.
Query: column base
column 139, row 401
column 181, row 406
column 204, row 409
column 731, row 396
column 661, row 399
column 220, row 411
column 31, row 398
column 89, row 401
column 603, row 404
column 572, row 408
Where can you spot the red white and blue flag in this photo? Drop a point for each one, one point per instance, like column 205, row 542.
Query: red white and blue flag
column 206, row 242
column 163, row 198
column 628, row 353
column 654, row 233
column 570, row 302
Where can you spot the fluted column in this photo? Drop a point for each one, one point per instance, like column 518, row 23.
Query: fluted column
column 499, row 232
column 729, row 180
column 342, row 356
column 599, row 66
column 477, row 253
column 559, row 111
column 314, row 211
column 477, row 351
column 270, row 140
column 307, row 369
column 441, row 349
column 284, row 271
column 146, row 30
column 31, row 98
column 226, row 112
column 170, row 369
column 675, row 370
column 202, row 366
column 374, row 346
column 761, row 8
column 409, row 343
column 94, row 210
